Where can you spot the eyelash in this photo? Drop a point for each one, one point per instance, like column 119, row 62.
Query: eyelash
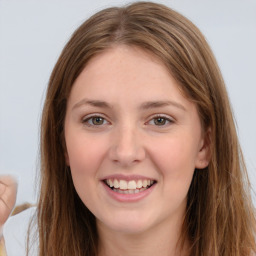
column 165, row 118
column 88, row 120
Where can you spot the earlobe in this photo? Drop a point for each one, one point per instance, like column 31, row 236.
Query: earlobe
column 204, row 153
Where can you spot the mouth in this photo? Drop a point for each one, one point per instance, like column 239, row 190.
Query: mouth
column 129, row 187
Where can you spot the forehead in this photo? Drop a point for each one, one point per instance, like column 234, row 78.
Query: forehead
column 125, row 68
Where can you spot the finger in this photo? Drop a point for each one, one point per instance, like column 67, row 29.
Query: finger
column 8, row 192
column 8, row 189
column 7, row 180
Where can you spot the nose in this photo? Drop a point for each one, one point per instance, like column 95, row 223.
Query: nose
column 127, row 146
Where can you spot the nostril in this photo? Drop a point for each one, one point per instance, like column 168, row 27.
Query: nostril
column 127, row 152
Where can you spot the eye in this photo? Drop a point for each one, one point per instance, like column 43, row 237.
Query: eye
column 95, row 121
column 160, row 121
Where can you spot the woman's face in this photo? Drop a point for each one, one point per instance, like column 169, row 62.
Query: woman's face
column 133, row 141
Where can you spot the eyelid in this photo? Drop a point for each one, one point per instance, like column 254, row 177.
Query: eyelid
column 86, row 118
column 166, row 117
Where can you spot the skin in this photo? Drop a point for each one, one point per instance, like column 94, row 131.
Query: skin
column 8, row 191
column 130, row 140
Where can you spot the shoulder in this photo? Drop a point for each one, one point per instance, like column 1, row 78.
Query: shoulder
column 16, row 232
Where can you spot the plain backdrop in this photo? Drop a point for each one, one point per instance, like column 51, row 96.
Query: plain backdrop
column 33, row 33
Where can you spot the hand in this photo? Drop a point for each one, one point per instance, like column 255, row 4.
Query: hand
column 8, row 192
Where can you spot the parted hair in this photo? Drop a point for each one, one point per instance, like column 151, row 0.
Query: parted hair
column 219, row 218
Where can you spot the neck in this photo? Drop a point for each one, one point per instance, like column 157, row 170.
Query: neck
column 162, row 240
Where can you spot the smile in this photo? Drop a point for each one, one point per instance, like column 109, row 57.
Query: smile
column 129, row 187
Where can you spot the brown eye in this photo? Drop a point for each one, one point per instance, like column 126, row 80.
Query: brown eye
column 160, row 121
column 97, row 120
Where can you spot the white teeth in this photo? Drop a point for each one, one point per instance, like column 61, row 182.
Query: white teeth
column 132, row 184
column 139, row 184
column 116, row 183
column 129, row 191
column 144, row 183
column 123, row 184
column 129, row 185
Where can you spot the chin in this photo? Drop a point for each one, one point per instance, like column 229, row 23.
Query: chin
column 133, row 224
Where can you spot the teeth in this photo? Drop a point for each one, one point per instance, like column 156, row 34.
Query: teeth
column 116, row 184
column 132, row 184
column 129, row 191
column 129, row 185
column 139, row 184
column 123, row 184
column 144, row 183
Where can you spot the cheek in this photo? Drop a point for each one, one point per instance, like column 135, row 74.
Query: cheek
column 85, row 162
column 85, row 155
column 175, row 160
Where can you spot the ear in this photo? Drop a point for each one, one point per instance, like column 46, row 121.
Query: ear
column 204, row 153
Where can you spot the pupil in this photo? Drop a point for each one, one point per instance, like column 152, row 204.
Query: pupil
column 97, row 120
column 160, row 121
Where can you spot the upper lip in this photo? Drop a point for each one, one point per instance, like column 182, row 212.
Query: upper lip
column 127, row 177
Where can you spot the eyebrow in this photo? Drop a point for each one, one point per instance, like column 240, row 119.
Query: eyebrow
column 94, row 103
column 144, row 106
column 158, row 104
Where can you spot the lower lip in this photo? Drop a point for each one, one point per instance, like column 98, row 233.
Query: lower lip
column 128, row 197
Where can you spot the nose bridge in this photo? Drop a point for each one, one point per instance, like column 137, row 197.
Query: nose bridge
column 127, row 147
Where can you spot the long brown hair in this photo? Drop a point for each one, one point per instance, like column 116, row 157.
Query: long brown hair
column 220, row 218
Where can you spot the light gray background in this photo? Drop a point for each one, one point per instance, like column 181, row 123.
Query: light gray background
column 33, row 33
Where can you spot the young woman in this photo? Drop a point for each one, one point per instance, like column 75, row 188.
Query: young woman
column 139, row 151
